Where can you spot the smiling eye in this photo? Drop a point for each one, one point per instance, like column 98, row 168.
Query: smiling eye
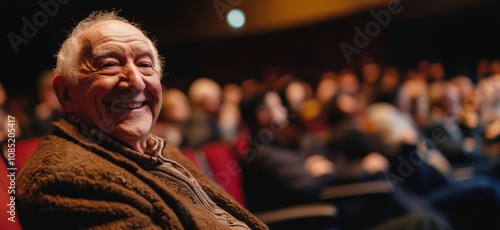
column 145, row 65
column 108, row 64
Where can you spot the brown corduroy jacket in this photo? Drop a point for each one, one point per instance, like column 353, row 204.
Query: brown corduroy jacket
column 73, row 183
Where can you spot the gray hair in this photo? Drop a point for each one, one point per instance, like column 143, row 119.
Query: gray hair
column 70, row 52
column 387, row 124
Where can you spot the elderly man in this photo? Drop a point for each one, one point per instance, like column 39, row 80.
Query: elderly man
column 101, row 167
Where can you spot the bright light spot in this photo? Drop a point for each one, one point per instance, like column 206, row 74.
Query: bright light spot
column 236, row 18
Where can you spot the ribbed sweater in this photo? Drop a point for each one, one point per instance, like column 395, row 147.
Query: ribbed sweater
column 71, row 182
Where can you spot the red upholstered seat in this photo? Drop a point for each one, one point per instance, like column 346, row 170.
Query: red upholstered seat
column 25, row 149
column 190, row 155
column 224, row 167
column 5, row 200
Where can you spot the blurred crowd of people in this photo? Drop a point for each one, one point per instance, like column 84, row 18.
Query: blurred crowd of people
column 458, row 115
column 295, row 137
column 434, row 136
column 34, row 116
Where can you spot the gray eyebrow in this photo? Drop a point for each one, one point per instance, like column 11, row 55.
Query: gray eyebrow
column 145, row 53
column 97, row 54
column 102, row 52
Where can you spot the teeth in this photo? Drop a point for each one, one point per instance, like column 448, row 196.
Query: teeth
column 123, row 105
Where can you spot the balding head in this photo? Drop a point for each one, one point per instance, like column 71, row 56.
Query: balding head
column 70, row 53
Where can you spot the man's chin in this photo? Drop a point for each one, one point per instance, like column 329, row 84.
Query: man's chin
column 126, row 134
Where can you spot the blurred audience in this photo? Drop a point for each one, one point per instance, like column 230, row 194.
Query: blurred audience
column 423, row 67
column 348, row 82
column 279, row 158
column 314, row 108
column 288, row 165
column 470, row 202
column 229, row 119
column 357, row 154
column 482, row 70
column 370, row 73
column 175, row 112
column 48, row 108
column 413, row 98
column 388, row 86
column 10, row 112
column 444, row 124
column 436, row 72
column 3, row 115
column 494, row 67
column 202, row 126
column 326, row 87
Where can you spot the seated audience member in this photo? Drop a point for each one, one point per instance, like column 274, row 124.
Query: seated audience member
column 175, row 112
column 293, row 94
column 436, row 72
column 443, row 126
column 412, row 98
column 488, row 96
column 423, row 68
column 370, row 75
column 285, row 168
column 358, row 156
column 494, row 67
column 388, row 86
column 482, row 70
column 463, row 84
column 348, row 82
column 202, row 127
column 314, row 108
column 468, row 118
column 327, row 87
column 229, row 119
column 280, row 166
column 471, row 202
column 101, row 168
column 48, row 109
column 5, row 112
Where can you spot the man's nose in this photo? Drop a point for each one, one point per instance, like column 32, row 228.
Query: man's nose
column 133, row 80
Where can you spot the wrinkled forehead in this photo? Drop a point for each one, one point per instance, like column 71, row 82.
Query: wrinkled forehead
column 113, row 27
column 114, row 30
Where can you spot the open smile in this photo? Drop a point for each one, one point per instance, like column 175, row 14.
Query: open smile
column 126, row 105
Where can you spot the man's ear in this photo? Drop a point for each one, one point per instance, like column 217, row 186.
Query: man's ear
column 61, row 90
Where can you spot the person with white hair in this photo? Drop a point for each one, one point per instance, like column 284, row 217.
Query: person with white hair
column 202, row 127
column 444, row 128
column 101, row 168
column 417, row 165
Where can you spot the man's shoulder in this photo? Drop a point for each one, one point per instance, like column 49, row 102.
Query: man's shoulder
column 54, row 154
column 60, row 155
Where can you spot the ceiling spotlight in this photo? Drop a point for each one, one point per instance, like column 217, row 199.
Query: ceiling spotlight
column 236, row 18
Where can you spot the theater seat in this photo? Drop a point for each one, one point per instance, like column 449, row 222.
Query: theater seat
column 5, row 199
column 191, row 155
column 226, row 170
column 305, row 216
column 222, row 165
column 25, row 149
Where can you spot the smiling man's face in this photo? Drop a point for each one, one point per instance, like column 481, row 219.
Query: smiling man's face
column 119, row 88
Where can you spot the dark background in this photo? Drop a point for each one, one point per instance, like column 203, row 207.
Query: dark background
column 196, row 43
